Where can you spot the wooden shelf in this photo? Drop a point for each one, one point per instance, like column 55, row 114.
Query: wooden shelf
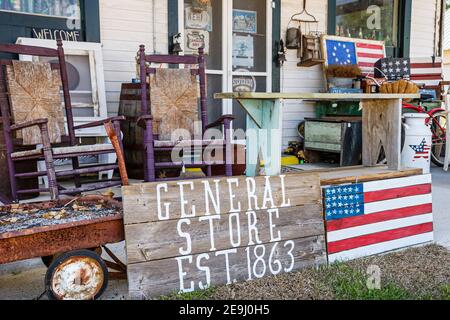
column 310, row 63
column 314, row 96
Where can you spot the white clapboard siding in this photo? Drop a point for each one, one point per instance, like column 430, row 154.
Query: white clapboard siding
column 295, row 79
column 423, row 28
column 124, row 26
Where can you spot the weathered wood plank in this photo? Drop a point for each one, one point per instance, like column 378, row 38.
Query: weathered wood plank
column 141, row 200
column 155, row 241
column 335, row 177
column 156, row 278
column 382, row 128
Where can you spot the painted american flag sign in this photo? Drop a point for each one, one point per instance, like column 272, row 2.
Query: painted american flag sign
column 364, row 53
column 375, row 217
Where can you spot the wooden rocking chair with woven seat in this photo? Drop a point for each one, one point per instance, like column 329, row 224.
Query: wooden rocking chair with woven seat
column 175, row 95
column 32, row 114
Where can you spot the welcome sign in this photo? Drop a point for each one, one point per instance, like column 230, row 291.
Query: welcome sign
column 190, row 235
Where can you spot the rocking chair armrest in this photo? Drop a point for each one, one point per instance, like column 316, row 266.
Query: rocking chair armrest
column 221, row 121
column 28, row 124
column 141, row 121
column 99, row 123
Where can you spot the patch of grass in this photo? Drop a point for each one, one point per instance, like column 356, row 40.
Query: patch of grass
column 351, row 284
column 413, row 274
column 445, row 292
column 196, row 295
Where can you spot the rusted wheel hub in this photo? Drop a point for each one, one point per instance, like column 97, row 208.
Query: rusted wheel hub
column 80, row 275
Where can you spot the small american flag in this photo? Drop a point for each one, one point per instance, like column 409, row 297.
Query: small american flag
column 421, row 150
column 364, row 53
column 375, row 217
column 393, row 68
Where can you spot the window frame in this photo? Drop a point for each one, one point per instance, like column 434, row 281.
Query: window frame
column 173, row 29
column 403, row 29
column 17, row 24
column 39, row 14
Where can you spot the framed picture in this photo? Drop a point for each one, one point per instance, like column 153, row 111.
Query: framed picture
column 196, row 39
column 245, row 21
column 344, row 51
column 198, row 19
column 243, row 51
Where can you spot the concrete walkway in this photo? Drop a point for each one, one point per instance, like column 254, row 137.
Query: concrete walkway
column 441, row 206
column 25, row 280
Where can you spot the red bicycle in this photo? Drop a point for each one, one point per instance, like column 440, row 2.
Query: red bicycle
column 438, row 125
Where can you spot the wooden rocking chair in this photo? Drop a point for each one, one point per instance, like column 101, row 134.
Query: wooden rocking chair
column 174, row 105
column 32, row 114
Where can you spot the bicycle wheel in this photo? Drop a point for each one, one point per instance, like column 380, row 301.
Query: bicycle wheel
column 438, row 125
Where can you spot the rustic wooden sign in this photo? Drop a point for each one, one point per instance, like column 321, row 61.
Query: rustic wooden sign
column 189, row 235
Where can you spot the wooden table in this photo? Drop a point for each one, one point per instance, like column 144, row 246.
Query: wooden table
column 381, row 125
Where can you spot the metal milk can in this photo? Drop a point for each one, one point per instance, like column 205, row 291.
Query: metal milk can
column 418, row 141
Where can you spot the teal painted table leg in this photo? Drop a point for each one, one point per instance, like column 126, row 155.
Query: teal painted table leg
column 252, row 148
column 264, row 133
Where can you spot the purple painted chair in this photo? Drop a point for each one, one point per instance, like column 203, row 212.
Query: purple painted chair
column 153, row 145
column 48, row 151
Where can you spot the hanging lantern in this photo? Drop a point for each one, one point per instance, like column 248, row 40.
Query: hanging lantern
column 176, row 49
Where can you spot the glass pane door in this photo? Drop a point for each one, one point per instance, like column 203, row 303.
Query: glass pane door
column 250, row 58
column 205, row 21
column 236, row 35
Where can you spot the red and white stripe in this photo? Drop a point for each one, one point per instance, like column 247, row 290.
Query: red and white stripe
column 368, row 54
column 424, row 71
column 398, row 213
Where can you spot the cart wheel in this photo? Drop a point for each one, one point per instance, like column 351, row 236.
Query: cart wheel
column 47, row 260
column 76, row 275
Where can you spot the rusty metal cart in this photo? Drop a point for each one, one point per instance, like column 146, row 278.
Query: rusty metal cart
column 69, row 235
